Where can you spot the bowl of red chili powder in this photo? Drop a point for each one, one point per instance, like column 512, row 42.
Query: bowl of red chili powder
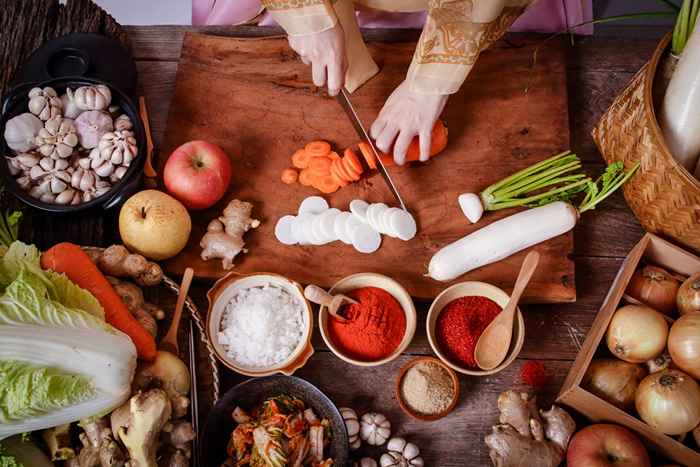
column 378, row 328
column 457, row 318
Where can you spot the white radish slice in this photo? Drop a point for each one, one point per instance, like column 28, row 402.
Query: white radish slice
column 403, row 224
column 351, row 224
column 313, row 205
column 471, row 206
column 502, row 239
column 298, row 229
column 373, row 215
column 359, row 208
column 385, row 221
column 317, row 236
column 307, row 229
column 283, row 230
column 328, row 224
column 365, row 239
column 339, row 227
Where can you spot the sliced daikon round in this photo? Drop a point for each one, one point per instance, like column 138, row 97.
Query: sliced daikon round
column 352, row 224
column 317, row 236
column 328, row 224
column 359, row 208
column 365, row 239
column 373, row 214
column 307, row 228
column 340, row 226
column 298, row 229
column 283, row 230
column 313, row 205
column 384, row 222
column 403, row 224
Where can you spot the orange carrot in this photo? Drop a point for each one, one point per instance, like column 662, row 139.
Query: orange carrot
column 438, row 142
column 289, row 176
column 343, row 172
column 326, row 184
column 350, row 168
column 318, row 148
column 368, row 155
column 305, row 177
column 341, row 183
column 300, row 159
column 353, row 161
column 320, row 165
column 69, row 259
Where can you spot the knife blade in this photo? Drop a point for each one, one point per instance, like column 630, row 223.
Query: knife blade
column 344, row 100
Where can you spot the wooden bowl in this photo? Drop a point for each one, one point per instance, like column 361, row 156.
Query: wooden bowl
column 407, row 409
column 220, row 295
column 369, row 279
column 469, row 289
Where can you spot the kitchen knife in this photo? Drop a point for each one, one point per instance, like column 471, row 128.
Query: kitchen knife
column 344, row 100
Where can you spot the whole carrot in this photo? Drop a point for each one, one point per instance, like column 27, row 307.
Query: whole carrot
column 71, row 260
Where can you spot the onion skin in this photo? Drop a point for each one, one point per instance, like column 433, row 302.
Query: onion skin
column 688, row 297
column 637, row 334
column 654, row 287
column 614, row 381
column 684, row 344
column 669, row 401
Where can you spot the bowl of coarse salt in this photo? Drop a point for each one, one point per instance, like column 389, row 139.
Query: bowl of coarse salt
column 259, row 324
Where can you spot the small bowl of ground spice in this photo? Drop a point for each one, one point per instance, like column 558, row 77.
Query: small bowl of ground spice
column 378, row 328
column 259, row 324
column 427, row 389
column 459, row 315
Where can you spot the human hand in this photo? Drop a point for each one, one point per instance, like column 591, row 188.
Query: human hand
column 405, row 115
column 325, row 52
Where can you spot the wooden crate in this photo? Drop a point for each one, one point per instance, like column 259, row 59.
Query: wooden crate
column 656, row 251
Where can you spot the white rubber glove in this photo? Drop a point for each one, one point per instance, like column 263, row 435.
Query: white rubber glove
column 405, row 115
column 325, row 52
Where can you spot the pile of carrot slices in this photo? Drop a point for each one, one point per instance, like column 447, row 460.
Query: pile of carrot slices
column 318, row 166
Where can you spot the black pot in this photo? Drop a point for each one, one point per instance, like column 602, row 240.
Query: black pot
column 15, row 103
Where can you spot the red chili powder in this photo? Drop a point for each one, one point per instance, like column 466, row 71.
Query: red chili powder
column 461, row 323
column 374, row 328
column 534, row 374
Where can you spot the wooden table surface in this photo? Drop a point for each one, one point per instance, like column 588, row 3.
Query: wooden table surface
column 597, row 68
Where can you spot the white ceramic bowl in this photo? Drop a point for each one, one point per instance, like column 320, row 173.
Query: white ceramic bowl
column 469, row 289
column 220, row 295
column 369, row 279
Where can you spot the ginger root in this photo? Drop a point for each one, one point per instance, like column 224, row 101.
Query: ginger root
column 224, row 237
column 526, row 436
column 132, row 296
column 99, row 447
column 117, row 261
column 148, row 413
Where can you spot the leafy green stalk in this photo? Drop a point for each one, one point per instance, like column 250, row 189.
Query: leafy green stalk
column 612, row 179
column 685, row 24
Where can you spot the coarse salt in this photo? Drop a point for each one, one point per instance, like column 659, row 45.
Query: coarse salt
column 262, row 326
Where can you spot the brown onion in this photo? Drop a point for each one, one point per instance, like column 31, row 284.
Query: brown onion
column 637, row 333
column 669, row 401
column 614, row 381
column 654, row 287
column 688, row 297
column 684, row 344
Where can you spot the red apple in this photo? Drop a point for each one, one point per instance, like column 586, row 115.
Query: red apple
column 197, row 174
column 606, row 445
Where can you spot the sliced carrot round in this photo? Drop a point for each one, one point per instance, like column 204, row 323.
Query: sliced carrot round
column 368, row 155
column 334, row 155
column 343, row 172
column 306, row 177
column 300, row 159
column 350, row 168
column 289, row 176
column 320, row 165
column 326, row 184
column 318, row 148
column 353, row 161
column 341, row 183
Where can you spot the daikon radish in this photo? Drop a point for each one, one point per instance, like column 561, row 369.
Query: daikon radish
column 471, row 206
column 501, row 239
column 680, row 114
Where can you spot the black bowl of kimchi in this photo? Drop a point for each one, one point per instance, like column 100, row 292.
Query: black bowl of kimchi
column 274, row 403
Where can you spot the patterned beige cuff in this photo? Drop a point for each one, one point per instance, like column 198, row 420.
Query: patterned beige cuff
column 301, row 17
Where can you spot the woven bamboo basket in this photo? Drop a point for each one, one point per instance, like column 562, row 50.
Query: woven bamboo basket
column 663, row 195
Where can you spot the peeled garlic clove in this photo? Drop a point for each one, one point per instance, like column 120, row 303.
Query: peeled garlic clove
column 24, row 182
column 396, row 444
column 58, row 185
column 48, row 198
column 65, row 197
column 355, row 443
column 411, row 451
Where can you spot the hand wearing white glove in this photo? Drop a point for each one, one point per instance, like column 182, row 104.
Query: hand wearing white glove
column 406, row 114
column 325, row 52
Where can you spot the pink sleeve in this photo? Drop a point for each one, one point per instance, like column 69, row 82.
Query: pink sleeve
column 224, row 12
column 555, row 16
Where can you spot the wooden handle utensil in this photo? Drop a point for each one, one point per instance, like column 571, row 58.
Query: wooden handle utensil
column 317, row 295
column 169, row 342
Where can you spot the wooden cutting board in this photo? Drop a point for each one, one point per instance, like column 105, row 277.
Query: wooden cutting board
column 254, row 98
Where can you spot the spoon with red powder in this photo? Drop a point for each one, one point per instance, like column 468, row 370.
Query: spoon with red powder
column 494, row 342
column 317, row 295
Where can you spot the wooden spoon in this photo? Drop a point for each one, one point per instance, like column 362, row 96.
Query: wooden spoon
column 317, row 295
column 494, row 342
column 169, row 342
column 148, row 169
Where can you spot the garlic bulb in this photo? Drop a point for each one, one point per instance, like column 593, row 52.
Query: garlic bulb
column 45, row 103
column 401, row 454
column 96, row 97
column 123, row 122
column 22, row 163
column 24, row 182
column 48, row 166
column 70, row 108
column 100, row 188
column 119, row 147
column 83, row 180
column 58, row 138
column 69, row 196
column 118, row 174
column 21, row 132
column 91, row 126
column 352, row 424
column 365, row 462
column 375, row 428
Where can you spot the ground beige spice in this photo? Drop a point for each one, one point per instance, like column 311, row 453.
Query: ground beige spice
column 427, row 388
